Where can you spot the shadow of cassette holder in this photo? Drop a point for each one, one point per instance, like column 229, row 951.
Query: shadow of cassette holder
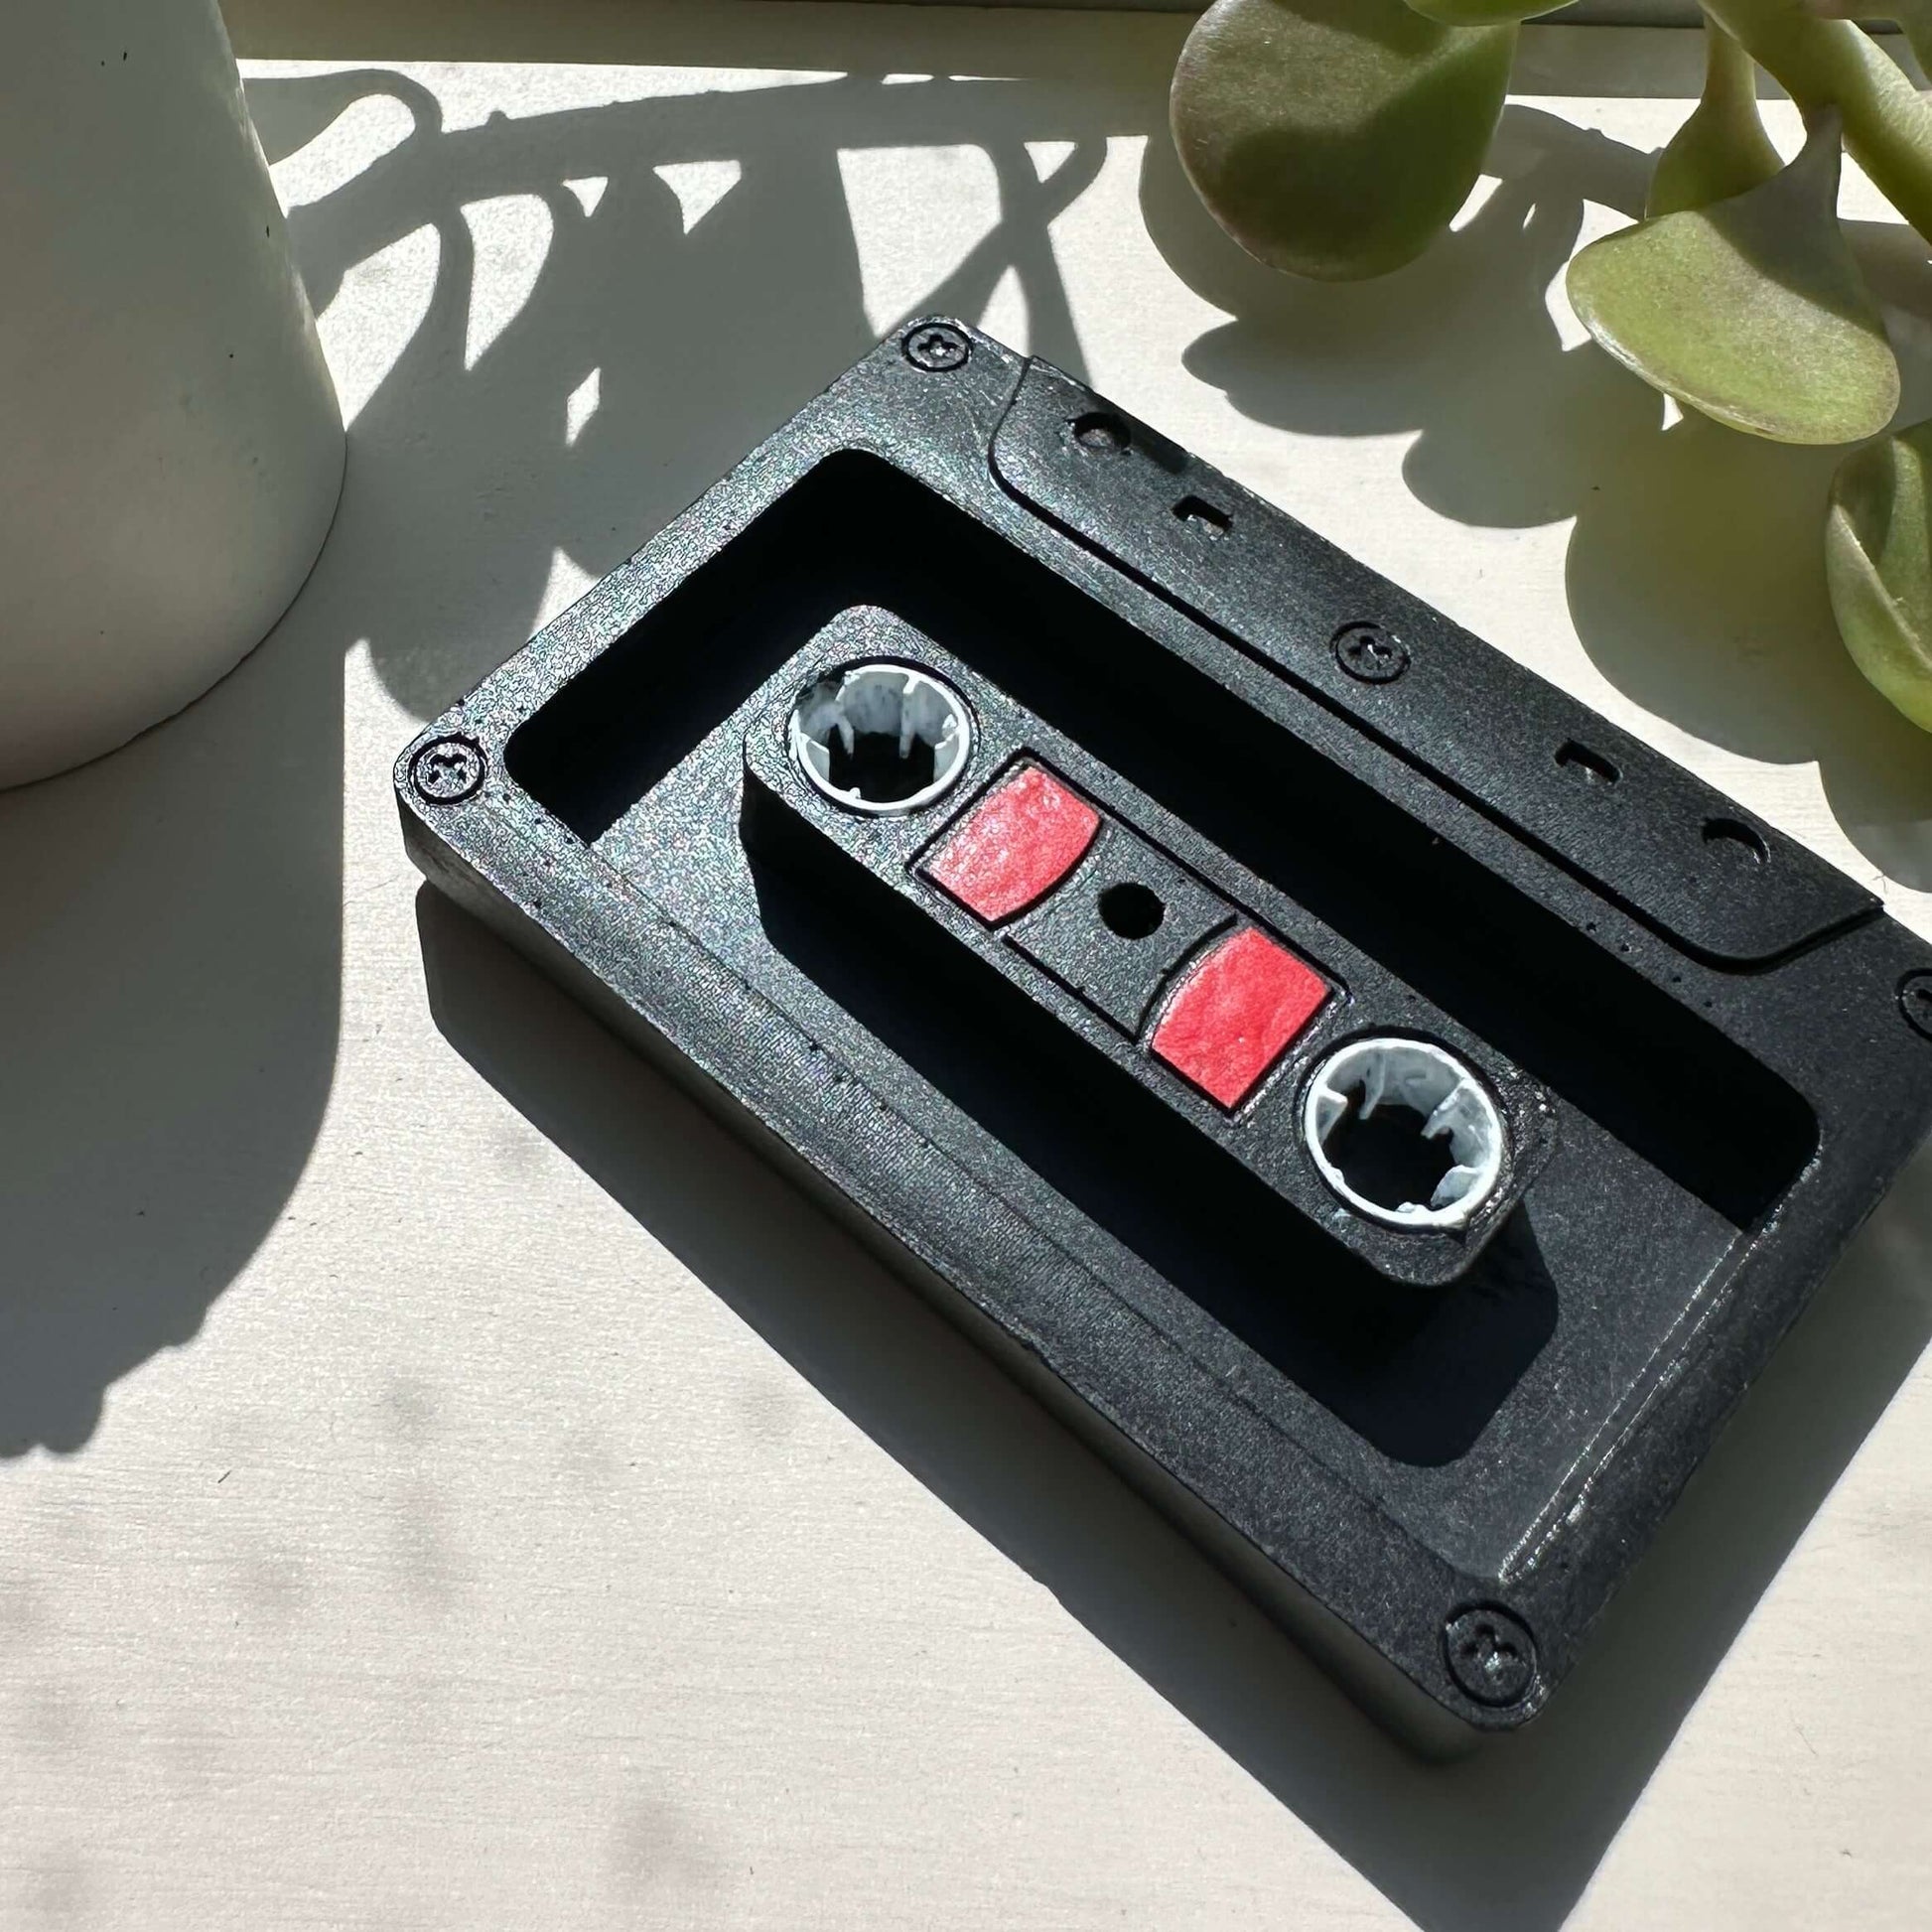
column 1390, row 1110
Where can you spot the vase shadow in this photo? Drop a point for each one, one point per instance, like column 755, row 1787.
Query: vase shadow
column 172, row 970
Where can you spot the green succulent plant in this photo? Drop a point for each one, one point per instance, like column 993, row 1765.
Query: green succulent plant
column 1879, row 566
column 1751, row 308
column 1335, row 139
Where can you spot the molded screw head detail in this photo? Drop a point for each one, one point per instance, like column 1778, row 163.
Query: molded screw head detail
column 936, row 346
column 1915, row 1002
column 1368, row 653
column 1491, row 1654
column 448, row 770
column 1100, row 434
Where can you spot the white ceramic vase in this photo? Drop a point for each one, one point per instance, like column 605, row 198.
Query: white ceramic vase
column 170, row 448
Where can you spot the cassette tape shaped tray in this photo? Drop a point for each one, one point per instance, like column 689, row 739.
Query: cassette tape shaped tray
column 1388, row 1109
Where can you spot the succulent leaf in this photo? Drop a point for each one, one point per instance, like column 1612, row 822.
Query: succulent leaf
column 1751, row 310
column 1879, row 566
column 1723, row 149
column 1335, row 138
column 1912, row 17
column 1825, row 63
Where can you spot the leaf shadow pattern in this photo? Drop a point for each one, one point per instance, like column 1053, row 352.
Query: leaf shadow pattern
column 697, row 350
column 173, row 917
column 1431, row 349
column 178, row 909
column 1696, row 566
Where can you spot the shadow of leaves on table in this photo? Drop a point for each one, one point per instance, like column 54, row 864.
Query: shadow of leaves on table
column 174, row 922
column 703, row 341
column 1507, row 1840
column 171, row 956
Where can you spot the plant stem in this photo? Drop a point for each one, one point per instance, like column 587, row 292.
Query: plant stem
column 1722, row 149
column 1730, row 72
column 1832, row 63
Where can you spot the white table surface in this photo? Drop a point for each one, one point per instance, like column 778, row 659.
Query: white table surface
column 450, row 1485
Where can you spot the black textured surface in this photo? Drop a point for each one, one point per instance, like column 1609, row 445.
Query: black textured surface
column 1654, row 837
column 841, row 924
column 1121, row 926
column 1696, row 1027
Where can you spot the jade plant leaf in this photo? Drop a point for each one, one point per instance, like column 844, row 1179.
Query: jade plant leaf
column 1878, row 564
column 1751, row 310
column 1723, row 149
column 1335, row 138
column 1913, row 18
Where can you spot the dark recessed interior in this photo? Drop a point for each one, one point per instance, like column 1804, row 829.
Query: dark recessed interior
column 1671, row 1136
column 1647, row 1068
column 1384, row 1156
column 1740, row 843
column 1418, row 1372
column 1131, row 910
column 1587, row 766
column 1200, row 515
column 1101, row 433
column 876, row 770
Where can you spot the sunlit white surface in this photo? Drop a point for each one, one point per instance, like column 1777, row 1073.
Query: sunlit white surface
column 699, row 185
column 917, row 214
column 510, row 1507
